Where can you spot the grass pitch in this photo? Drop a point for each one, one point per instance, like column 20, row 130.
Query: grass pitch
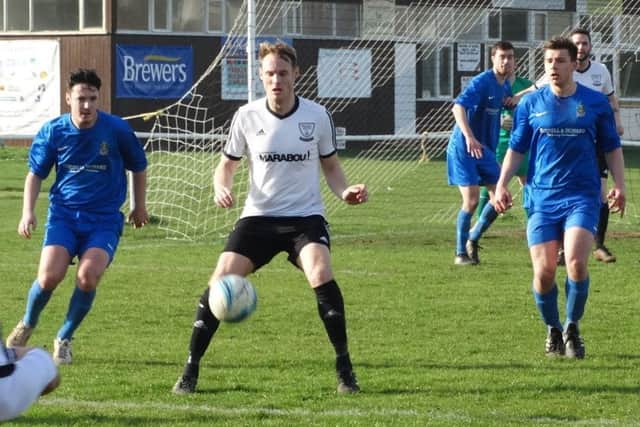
column 432, row 344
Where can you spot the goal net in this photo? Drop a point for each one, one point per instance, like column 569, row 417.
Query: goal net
column 187, row 136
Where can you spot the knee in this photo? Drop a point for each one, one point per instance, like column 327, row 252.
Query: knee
column 577, row 270
column 320, row 275
column 50, row 280
column 87, row 281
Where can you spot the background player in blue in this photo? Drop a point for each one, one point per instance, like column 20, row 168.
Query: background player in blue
column 288, row 140
column 563, row 126
column 90, row 151
column 471, row 158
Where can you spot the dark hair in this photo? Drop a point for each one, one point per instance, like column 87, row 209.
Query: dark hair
column 281, row 49
column 581, row 31
column 501, row 45
column 84, row 76
column 559, row 43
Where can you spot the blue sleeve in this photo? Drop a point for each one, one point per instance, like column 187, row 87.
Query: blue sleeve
column 471, row 95
column 42, row 154
column 521, row 134
column 133, row 154
column 607, row 136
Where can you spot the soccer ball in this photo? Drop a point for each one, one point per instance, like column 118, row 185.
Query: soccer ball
column 232, row 298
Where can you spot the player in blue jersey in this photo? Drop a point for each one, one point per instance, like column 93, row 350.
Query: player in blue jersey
column 90, row 151
column 471, row 153
column 563, row 126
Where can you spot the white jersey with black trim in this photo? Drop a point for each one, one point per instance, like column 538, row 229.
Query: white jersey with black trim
column 284, row 156
column 596, row 77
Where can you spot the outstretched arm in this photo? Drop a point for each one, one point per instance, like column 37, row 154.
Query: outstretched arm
column 352, row 194
column 223, row 181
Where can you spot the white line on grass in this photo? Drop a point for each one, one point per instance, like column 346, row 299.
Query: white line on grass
column 159, row 406
column 306, row 413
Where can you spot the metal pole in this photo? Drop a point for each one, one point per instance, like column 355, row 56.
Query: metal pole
column 251, row 49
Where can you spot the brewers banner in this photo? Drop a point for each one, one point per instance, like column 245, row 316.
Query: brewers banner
column 29, row 85
column 153, row 71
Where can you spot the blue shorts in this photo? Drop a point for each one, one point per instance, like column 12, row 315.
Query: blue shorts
column 545, row 227
column 78, row 231
column 464, row 170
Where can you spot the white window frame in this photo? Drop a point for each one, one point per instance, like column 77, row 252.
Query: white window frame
column 532, row 26
column 168, row 17
column 293, row 8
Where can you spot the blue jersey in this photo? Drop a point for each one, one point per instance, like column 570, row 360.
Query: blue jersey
column 482, row 100
column 563, row 136
column 90, row 163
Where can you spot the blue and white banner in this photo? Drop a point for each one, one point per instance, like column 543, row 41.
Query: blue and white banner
column 157, row 72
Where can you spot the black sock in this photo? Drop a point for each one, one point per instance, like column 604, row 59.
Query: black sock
column 603, row 223
column 204, row 327
column 331, row 310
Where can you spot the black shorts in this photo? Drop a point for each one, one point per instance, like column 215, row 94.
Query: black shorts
column 260, row 238
column 602, row 166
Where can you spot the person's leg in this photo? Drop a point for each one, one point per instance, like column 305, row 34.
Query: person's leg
column 470, row 196
column 543, row 236
column 54, row 262
column 205, row 324
column 578, row 243
column 315, row 261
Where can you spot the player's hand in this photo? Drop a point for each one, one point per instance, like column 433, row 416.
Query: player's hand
column 617, row 201
column 474, row 148
column 138, row 217
column 223, row 197
column 27, row 224
column 502, row 200
column 620, row 129
column 355, row 194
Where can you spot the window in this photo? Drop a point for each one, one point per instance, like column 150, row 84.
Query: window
column 509, row 25
column 347, row 19
column 317, row 18
column 132, row 15
column 539, row 26
column 188, row 16
column 51, row 15
column 17, row 15
column 437, row 74
column 629, row 75
column 92, row 14
column 233, row 10
column 55, row 15
column 493, row 23
column 515, row 24
column 214, row 23
column 161, row 15
column 269, row 18
column 293, row 19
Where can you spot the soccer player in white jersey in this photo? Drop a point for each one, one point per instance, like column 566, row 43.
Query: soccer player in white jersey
column 596, row 76
column 563, row 126
column 287, row 141
column 25, row 375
